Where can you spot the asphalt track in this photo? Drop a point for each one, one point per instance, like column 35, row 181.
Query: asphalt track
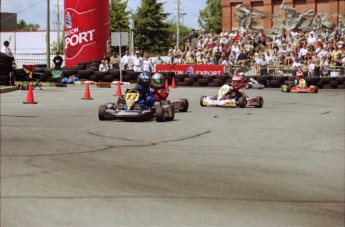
column 282, row 165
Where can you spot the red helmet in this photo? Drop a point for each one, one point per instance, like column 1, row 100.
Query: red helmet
column 236, row 81
column 299, row 75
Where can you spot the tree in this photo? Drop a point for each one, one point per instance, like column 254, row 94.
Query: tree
column 151, row 32
column 211, row 16
column 23, row 26
column 119, row 18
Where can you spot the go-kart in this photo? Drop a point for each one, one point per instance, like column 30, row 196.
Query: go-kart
column 294, row 89
column 252, row 83
column 223, row 100
column 128, row 108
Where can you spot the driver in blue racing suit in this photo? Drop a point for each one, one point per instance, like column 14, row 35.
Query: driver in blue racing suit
column 143, row 86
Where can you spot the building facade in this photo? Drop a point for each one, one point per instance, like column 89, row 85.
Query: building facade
column 272, row 7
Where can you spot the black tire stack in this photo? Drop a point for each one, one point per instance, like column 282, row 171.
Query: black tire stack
column 5, row 69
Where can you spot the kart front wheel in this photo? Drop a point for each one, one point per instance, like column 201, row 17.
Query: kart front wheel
column 260, row 102
column 242, row 102
column 101, row 113
column 171, row 113
column 160, row 114
column 202, row 100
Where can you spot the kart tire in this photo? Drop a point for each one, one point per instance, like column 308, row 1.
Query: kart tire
column 185, row 105
column 172, row 113
column 160, row 114
column 242, row 102
column 101, row 113
column 261, row 103
column 202, row 100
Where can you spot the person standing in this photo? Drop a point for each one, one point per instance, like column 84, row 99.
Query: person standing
column 125, row 60
column 137, row 62
column 6, row 49
column 57, row 61
column 115, row 61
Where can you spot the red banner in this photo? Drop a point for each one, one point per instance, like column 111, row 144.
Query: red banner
column 86, row 30
column 191, row 69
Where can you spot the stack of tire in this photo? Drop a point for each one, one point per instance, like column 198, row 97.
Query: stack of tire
column 5, row 69
column 201, row 80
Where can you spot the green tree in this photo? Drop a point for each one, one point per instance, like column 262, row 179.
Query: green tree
column 211, row 16
column 151, row 32
column 23, row 26
column 119, row 19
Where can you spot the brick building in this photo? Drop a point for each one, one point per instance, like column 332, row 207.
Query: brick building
column 273, row 7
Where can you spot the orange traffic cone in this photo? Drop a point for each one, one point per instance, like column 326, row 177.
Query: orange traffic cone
column 173, row 83
column 166, row 85
column 30, row 96
column 87, row 93
column 118, row 89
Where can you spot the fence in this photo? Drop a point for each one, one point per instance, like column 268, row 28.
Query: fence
column 33, row 59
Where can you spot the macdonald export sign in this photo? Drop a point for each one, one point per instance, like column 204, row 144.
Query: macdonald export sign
column 191, row 69
column 86, row 30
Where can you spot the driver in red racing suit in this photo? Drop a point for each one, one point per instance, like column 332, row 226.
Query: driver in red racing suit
column 160, row 92
column 236, row 84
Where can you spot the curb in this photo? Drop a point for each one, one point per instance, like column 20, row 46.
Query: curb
column 8, row 89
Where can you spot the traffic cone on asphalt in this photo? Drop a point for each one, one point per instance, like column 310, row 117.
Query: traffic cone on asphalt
column 118, row 89
column 173, row 83
column 166, row 85
column 30, row 96
column 87, row 93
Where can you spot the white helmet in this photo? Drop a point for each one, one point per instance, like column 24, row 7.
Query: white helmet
column 157, row 80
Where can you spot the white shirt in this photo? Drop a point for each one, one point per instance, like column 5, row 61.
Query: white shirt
column 147, row 65
column 138, row 62
column 103, row 67
column 6, row 50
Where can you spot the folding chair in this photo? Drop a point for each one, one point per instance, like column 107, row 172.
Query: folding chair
column 32, row 77
column 56, row 77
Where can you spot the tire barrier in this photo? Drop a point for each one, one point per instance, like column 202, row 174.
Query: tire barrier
column 89, row 71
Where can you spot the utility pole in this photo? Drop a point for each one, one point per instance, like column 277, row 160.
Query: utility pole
column 48, row 34
column 58, row 26
column 178, row 25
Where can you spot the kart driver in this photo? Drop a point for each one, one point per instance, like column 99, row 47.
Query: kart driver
column 143, row 86
column 158, row 89
column 300, row 81
column 232, row 90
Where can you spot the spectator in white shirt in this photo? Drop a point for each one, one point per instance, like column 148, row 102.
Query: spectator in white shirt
column 5, row 49
column 104, row 66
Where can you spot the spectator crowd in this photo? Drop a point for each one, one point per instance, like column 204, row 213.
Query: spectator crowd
column 314, row 52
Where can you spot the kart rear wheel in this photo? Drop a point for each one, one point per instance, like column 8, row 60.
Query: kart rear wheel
column 260, row 102
column 160, row 114
column 101, row 113
column 202, row 100
column 242, row 102
column 185, row 105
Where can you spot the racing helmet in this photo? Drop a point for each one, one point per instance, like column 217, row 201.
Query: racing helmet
column 143, row 80
column 157, row 80
column 236, row 81
column 299, row 75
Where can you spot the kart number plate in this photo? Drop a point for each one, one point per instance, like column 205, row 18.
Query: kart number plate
column 132, row 97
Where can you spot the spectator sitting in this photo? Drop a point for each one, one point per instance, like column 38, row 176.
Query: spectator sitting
column 104, row 66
